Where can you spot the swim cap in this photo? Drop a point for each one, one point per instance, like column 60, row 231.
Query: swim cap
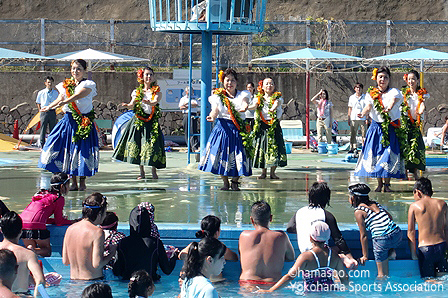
column 320, row 231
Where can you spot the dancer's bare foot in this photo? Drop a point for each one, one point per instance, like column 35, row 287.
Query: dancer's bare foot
column 73, row 187
column 262, row 176
column 273, row 176
column 154, row 173
column 82, row 183
column 235, row 185
column 379, row 188
column 140, row 177
column 387, row 188
column 226, row 185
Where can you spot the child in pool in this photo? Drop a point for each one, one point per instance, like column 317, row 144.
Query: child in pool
column 204, row 259
column 386, row 235
column 36, row 215
column 113, row 237
column 140, row 285
column 311, row 264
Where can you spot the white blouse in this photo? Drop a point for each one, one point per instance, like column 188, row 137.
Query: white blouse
column 147, row 96
column 241, row 96
column 84, row 104
column 265, row 110
column 386, row 98
column 413, row 102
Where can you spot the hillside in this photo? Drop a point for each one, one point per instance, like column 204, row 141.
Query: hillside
column 138, row 9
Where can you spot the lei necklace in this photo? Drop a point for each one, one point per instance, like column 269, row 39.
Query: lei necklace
column 84, row 122
column 410, row 125
column 272, row 144
column 237, row 121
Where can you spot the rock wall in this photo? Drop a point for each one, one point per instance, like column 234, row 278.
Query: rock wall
column 115, row 87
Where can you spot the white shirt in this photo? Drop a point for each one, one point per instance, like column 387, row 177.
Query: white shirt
column 386, row 98
column 147, row 96
column 84, row 104
column 413, row 102
column 241, row 96
column 45, row 97
column 251, row 113
column 184, row 100
column 265, row 110
column 305, row 217
column 198, row 287
column 357, row 104
column 327, row 108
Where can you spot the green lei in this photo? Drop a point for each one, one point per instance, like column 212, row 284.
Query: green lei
column 84, row 123
column 378, row 105
column 272, row 144
column 142, row 117
column 246, row 137
column 411, row 148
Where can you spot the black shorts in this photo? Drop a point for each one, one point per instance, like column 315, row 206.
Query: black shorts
column 35, row 234
column 431, row 259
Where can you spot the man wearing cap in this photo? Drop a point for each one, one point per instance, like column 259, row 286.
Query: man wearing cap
column 263, row 251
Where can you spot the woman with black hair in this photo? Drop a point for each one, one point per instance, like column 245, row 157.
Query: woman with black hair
column 382, row 154
column 228, row 148
column 412, row 110
column 140, row 285
column 371, row 216
column 37, row 214
column 204, row 259
column 72, row 146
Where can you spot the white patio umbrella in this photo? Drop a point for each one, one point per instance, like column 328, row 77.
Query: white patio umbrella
column 304, row 58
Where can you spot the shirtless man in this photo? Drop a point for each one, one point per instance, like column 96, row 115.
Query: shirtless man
column 432, row 218
column 8, row 273
column 11, row 225
column 83, row 247
column 263, row 251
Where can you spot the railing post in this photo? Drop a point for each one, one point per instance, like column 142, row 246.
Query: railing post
column 112, row 35
column 388, row 37
column 308, row 33
column 181, row 54
column 329, row 35
column 42, row 37
column 249, row 51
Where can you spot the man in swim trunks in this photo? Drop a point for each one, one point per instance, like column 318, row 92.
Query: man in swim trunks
column 263, row 251
column 431, row 216
column 11, row 225
column 83, row 246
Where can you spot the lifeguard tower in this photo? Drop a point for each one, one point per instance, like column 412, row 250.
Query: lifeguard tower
column 207, row 17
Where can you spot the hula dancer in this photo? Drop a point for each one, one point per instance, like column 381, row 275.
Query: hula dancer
column 225, row 153
column 380, row 156
column 142, row 141
column 269, row 145
column 412, row 110
column 72, row 146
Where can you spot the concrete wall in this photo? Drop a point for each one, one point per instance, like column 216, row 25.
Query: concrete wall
column 16, row 99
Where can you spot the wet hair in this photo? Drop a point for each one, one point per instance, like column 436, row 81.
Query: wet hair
column 229, row 71
column 415, row 73
column 81, row 62
column 358, row 85
column 209, row 226
column 250, row 83
column 139, row 284
column 424, row 185
column 97, row 290
column 3, row 208
column 8, row 263
column 384, row 69
column 261, row 213
column 93, row 205
column 198, row 252
column 326, row 94
column 319, row 195
column 11, row 225
column 360, row 193
column 56, row 181
column 49, row 78
column 110, row 222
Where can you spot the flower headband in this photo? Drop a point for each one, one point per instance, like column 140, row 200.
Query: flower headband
column 405, row 77
column 374, row 74
column 260, row 86
column 221, row 76
column 140, row 75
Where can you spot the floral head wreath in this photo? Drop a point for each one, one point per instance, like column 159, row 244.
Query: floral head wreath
column 405, row 77
column 260, row 86
column 140, row 75
column 221, row 76
column 374, row 74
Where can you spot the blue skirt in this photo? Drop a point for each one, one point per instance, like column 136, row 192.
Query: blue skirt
column 224, row 154
column 378, row 161
column 60, row 154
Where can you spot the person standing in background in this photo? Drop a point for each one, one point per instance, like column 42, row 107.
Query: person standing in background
column 356, row 104
column 324, row 115
column 44, row 98
column 250, row 115
column 183, row 105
